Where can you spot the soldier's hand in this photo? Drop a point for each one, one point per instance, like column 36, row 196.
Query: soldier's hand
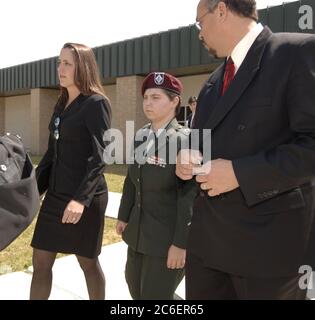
column 176, row 257
column 120, row 227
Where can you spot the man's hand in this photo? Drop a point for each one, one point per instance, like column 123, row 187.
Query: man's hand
column 73, row 212
column 220, row 179
column 176, row 257
column 186, row 162
column 120, row 227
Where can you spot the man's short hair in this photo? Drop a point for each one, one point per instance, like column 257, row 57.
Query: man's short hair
column 243, row 8
column 192, row 99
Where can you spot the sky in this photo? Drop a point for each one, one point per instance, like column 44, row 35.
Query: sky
column 36, row 29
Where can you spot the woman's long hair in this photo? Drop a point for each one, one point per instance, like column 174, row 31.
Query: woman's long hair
column 86, row 75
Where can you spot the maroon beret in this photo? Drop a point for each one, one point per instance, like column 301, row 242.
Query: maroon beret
column 162, row 80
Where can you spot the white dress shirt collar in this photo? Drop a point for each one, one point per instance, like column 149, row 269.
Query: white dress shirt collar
column 241, row 49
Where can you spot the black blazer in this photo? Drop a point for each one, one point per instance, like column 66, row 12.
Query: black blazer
column 75, row 160
column 155, row 203
column 265, row 124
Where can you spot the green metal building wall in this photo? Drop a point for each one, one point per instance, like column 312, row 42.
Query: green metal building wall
column 173, row 49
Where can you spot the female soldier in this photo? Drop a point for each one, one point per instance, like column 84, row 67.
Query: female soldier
column 71, row 219
column 156, row 207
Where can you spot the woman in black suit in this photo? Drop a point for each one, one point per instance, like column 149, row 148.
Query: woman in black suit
column 71, row 219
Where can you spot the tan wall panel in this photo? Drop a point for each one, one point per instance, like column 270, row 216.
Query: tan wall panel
column 129, row 102
column 42, row 106
column 17, row 117
column 29, row 115
column 192, row 86
column 128, row 107
column 2, row 115
column 141, row 118
column 110, row 91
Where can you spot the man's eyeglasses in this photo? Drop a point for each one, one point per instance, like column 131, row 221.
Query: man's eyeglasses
column 198, row 22
column 56, row 132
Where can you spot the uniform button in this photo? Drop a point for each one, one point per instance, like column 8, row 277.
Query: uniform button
column 139, row 205
column 241, row 127
column 139, row 193
column 138, row 180
column 139, row 166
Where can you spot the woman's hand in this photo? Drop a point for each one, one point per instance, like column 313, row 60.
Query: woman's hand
column 120, row 227
column 73, row 212
column 176, row 257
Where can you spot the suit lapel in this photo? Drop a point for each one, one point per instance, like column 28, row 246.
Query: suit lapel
column 242, row 79
column 73, row 107
column 208, row 97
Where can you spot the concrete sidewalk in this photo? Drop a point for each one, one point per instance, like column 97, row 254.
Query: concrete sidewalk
column 113, row 204
column 68, row 279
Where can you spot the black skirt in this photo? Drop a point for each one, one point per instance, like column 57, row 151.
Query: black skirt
column 83, row 239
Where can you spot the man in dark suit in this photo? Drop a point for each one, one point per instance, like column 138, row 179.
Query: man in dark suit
column 192, row 102
column 252, row 220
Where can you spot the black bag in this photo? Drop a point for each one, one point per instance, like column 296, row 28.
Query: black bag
column 19, row 198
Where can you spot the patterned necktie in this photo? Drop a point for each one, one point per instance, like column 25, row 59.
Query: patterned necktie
column 228, row 74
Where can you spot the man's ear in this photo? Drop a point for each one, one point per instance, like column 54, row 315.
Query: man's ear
column 222, row 9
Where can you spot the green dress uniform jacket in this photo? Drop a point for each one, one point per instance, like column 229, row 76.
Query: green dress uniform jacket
column 156, row 204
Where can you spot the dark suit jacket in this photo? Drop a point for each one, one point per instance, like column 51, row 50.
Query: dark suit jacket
column 156, row 204
column 189, row 120
column 265, row 124
column 75, row 161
